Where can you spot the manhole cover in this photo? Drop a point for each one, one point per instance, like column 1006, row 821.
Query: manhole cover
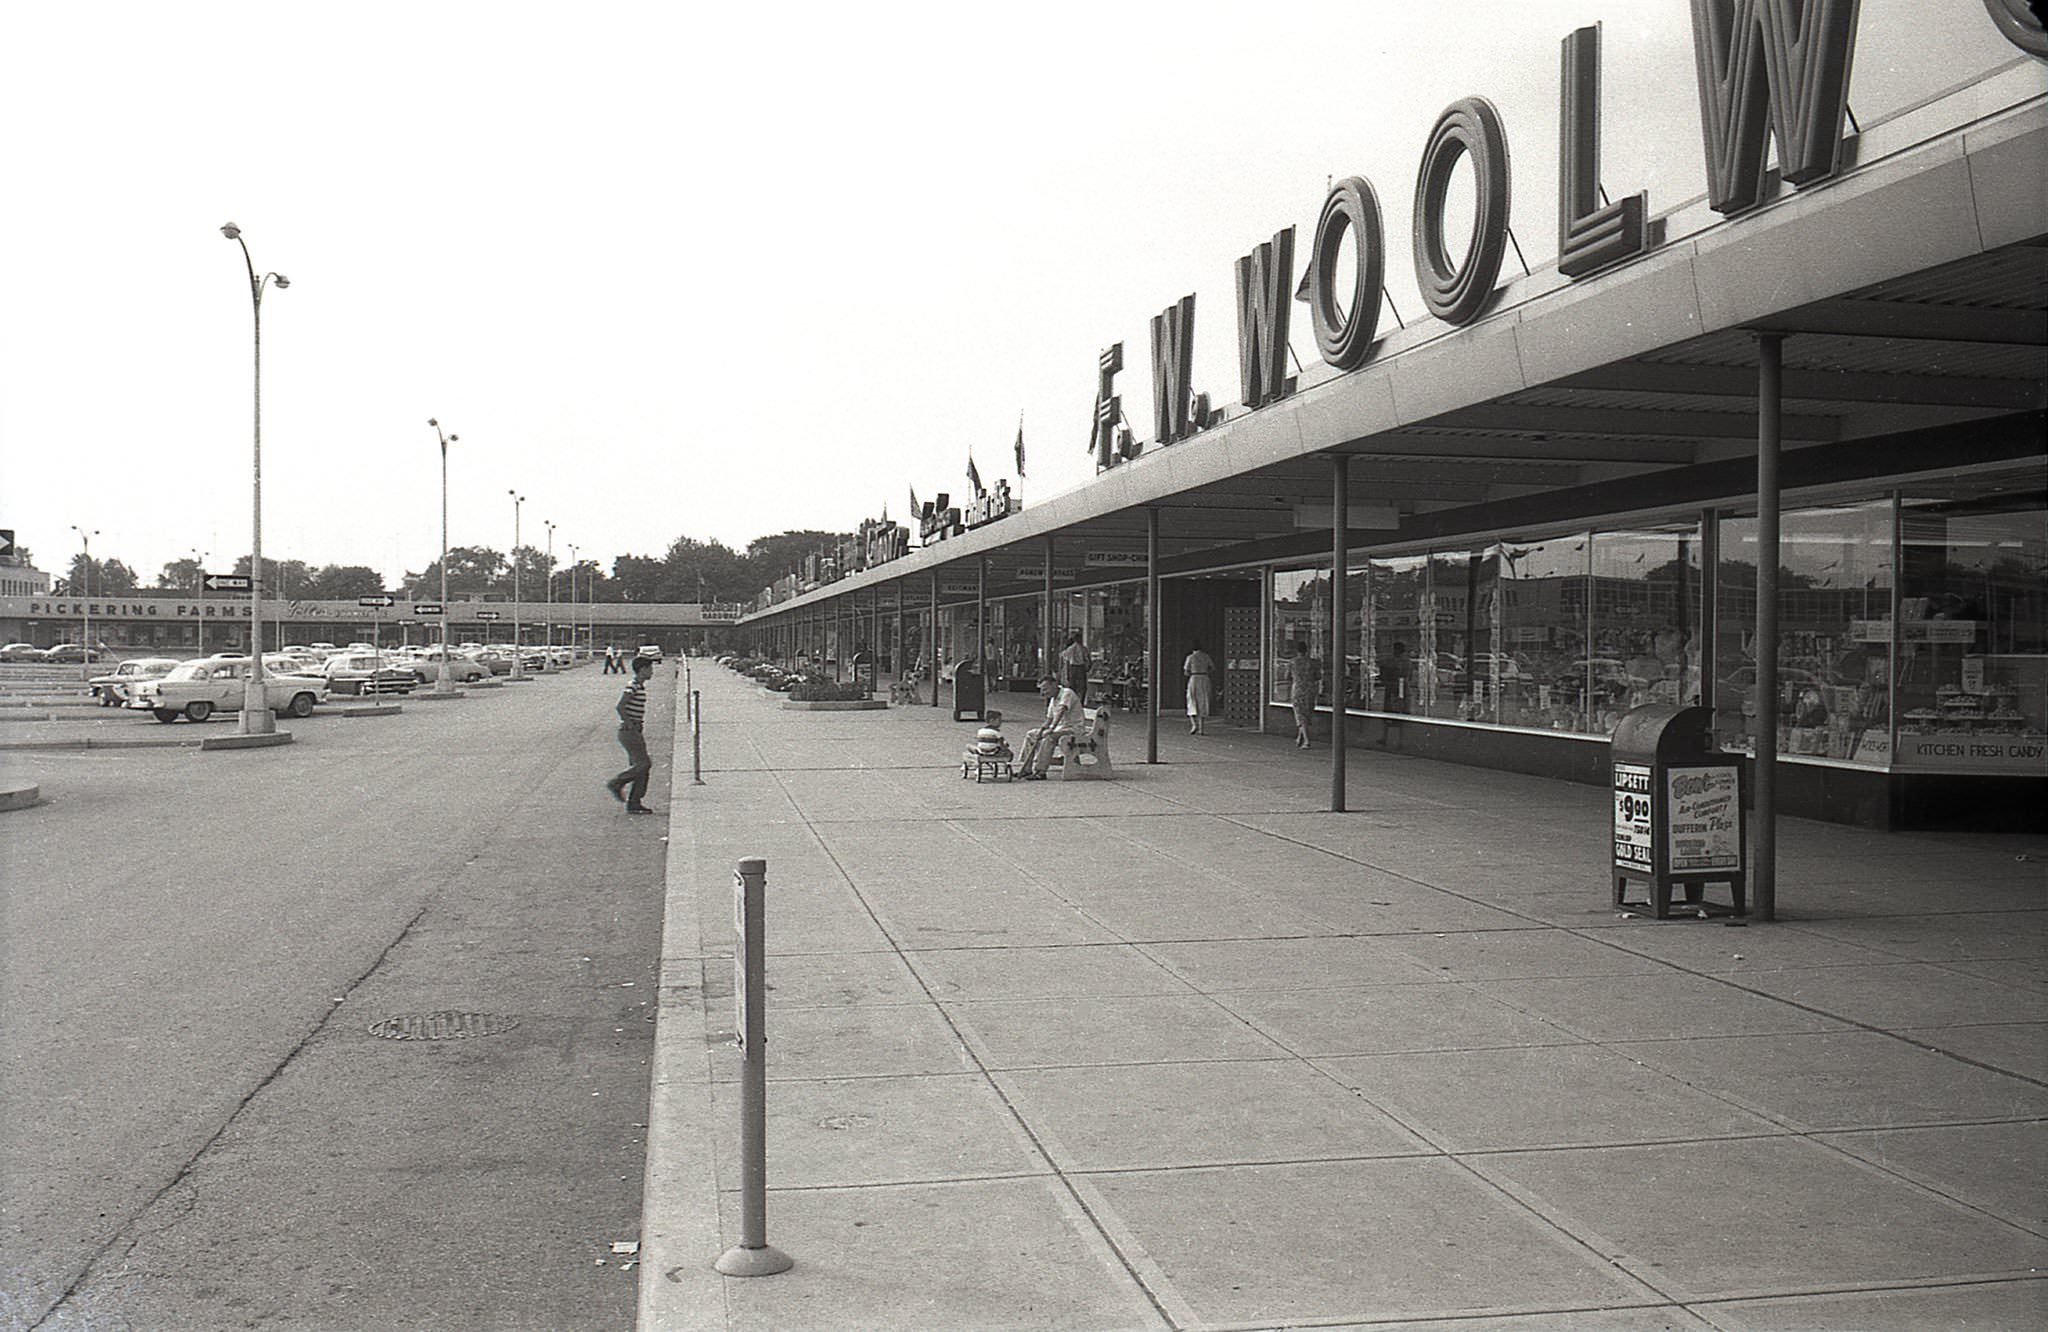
column 443, row 1026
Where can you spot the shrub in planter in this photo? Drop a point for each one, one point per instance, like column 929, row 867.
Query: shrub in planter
column 827, row 691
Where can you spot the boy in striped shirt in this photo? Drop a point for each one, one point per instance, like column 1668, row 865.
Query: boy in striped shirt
column 631, row 784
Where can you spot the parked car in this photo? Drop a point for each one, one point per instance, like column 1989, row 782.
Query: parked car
column 21, row 652
column 652, row 651
column 112, row 688
column 498, row 663
column 426, row 667
column 198, row 689
column 73, row 652
column 358, row 673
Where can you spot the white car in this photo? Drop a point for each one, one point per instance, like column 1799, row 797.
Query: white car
column 112, row 688
column 197, row 689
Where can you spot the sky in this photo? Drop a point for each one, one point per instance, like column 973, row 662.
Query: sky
column 675, row 270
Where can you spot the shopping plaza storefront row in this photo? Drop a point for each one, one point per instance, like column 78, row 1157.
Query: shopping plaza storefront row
column 1784, row 430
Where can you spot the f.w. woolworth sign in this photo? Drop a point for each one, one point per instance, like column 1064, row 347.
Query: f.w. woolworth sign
column 1766, row 69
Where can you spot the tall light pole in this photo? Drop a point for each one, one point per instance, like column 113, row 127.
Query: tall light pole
column 573, row 561
column 444, row 678
column 199, row 580
column 518, row 648
column 85, row 577
column 257, row 718
column 548, row 662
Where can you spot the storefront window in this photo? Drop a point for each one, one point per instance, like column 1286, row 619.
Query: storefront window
column 1834, row 633
column 1301, row 614
column 1972, row 684
column 1646, row 622
column 1460, row 654
column 1545, row 668
column 1399, row 635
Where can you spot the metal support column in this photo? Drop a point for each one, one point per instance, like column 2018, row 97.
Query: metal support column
column 1152, row 645
column 934, row 624
column 1340, row 523
column 1046, row 650
column 981, row 623
column 1763, row 866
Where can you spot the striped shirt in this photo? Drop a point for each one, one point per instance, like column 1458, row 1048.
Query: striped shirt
column 633, row 703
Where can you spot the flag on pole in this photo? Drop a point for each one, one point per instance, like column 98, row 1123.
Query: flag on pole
column 915, row 508
column 973, row 475
column 1020, row 446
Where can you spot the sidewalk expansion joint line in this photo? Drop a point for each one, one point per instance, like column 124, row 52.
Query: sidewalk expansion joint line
column 127, row 1230
column 1152, row 1297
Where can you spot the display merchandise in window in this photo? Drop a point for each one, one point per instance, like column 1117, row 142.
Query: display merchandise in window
column 1972, row 682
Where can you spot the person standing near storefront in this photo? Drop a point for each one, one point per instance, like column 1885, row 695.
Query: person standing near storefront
column 1074, row 665
column 1396, row 673
column 1305, row 679
column 1200, row 669
column 631, row 785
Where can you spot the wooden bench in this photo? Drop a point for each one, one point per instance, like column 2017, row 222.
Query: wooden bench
column 1085, row 754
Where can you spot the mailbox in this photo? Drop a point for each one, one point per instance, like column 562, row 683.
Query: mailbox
column 1679, row 809
column 970, row 697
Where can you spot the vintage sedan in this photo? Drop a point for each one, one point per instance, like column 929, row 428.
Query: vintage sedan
column 198, row 689
column 368, row 673
column 21, row 652
column 112, row 688
column 427, row 667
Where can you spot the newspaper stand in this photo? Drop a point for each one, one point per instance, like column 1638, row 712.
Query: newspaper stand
column 970, row 698
column 1679, row 810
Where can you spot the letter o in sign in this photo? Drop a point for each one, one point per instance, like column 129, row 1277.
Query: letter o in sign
column 1345, row 335
column 1469, row 128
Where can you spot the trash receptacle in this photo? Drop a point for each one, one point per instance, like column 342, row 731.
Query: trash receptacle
column 1680, row 806
column 970, row 699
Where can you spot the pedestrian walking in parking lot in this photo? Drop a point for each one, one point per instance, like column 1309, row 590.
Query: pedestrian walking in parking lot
column 1306, row 676
column 631, row 785
column 1200, row 669
column 611, row 659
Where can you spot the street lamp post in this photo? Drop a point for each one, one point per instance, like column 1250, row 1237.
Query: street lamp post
column 518, row 649
column 257, row 718
column 85, row 577
column 548, row 660
column 199, row 558
column 444, row 677
column 573, row 561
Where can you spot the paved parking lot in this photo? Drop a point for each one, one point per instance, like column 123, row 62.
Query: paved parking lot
column 1184, row 1050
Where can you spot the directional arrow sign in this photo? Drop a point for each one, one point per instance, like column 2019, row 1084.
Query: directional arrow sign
column 228, row 582
column 379, row 600
column 490, row 615
column 426, row 608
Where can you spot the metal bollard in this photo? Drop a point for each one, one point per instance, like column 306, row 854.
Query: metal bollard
column 696, row 740
column 753, row 1255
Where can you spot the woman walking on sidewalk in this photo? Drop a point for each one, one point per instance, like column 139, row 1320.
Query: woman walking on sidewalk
column 1200, row 668
column 1305, row 675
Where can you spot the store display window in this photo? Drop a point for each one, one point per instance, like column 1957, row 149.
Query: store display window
column 1461, row 657
column 1645, row 626
column 1301, row 614
column 1835, row 591
column 1971, row 684
column 1546, row 672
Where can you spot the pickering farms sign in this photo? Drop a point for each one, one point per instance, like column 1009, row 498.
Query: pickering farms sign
column 1766, row 69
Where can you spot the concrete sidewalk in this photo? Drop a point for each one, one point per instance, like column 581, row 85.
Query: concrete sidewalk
column 1184, row 1050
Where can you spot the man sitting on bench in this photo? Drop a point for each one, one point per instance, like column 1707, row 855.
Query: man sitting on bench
column 1062, row 718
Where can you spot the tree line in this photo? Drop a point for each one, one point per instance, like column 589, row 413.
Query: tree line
column 688, row 571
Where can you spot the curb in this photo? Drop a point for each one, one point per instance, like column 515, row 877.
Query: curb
column 19, row 795
column 246, row 741
column 374, row 710
column 835, row 705
column 88, row 742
